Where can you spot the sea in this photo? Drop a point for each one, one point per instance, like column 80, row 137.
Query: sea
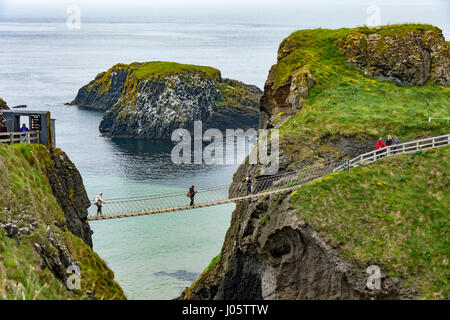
column 44, row 61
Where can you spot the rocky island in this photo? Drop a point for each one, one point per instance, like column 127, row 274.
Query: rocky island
column 152, row 99
column 331, row 94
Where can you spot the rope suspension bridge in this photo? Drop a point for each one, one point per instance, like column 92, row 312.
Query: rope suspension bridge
column 261, row 186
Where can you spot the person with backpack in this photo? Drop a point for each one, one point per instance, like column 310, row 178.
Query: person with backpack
column 191, row 194
column 98, row 201
column 248, row 183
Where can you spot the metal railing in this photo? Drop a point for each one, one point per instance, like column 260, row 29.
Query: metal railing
column 19, row 137
column 261, row 186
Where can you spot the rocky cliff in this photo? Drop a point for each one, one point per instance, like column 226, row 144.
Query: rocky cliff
column 330, row 99
column 150, row 100
column 68, row 189
column 44, row 235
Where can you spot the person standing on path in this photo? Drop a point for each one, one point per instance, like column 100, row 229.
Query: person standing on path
column 380, row 144
column 389, row 141
column 98, row 201
column 191, row 194
column 395, row 142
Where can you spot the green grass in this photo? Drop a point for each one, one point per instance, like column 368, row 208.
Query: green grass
column 161, row 69
column 3, row 104
column 25, row 190
column 264, row 220
column 393, row 213
column 22, row 278
column 345, row 102
column 213, row 262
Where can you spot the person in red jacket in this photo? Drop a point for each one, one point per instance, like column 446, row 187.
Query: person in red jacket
column 380, row 143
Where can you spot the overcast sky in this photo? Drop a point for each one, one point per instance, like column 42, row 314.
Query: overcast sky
column 106, row 8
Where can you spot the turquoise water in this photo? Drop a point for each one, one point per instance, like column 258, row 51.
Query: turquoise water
column 141, row 250
column 43, row 64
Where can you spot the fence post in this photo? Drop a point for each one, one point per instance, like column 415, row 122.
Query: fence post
column 347, row 164
column 11, row 137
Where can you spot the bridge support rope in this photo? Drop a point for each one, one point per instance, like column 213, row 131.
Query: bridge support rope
column 263, row 186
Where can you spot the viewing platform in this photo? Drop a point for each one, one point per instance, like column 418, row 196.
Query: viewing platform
column 41, row 127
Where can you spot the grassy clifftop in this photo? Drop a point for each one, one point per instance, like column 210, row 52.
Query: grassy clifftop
column 393, row 213
column 149, row 70
column 342, row 101
column 34, row 258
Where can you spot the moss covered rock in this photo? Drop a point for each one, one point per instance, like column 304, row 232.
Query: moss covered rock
column 3, row 105
column 404, row 55
column 150, row 100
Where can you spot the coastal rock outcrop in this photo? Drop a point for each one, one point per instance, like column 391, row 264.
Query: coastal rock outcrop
column 327, row 110
column 151, row 100
column 400, row 55
column 68, row 189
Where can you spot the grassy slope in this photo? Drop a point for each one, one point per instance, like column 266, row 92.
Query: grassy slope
column 25, row 190
column 393, row 213
column 345, row 102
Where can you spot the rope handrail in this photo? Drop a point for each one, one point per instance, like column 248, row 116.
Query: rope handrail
column 163, row 195
column 264, row 185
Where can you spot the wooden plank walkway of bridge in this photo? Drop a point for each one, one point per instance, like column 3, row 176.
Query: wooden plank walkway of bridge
column 195, row 206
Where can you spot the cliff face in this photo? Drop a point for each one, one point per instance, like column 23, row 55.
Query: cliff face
column 285, row 247
column 68, row 189
column 423, row 54
column 150, row 100
column 43, row 229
